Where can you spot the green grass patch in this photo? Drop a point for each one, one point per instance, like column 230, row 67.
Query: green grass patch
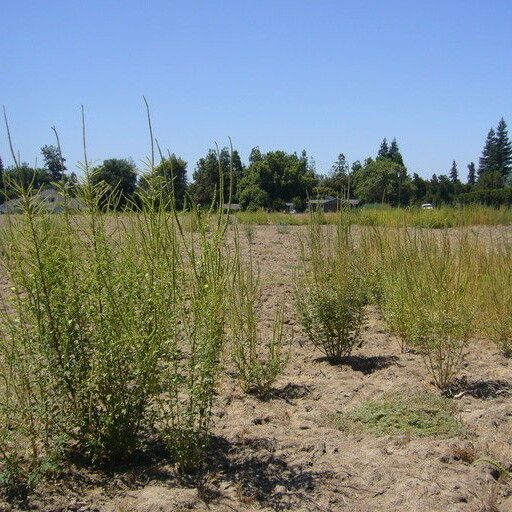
column 438, row 218
column 420, row 415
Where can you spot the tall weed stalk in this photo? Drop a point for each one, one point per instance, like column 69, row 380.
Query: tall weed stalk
column 258, row 366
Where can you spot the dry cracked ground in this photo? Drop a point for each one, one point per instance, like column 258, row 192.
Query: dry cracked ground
column 286, row 453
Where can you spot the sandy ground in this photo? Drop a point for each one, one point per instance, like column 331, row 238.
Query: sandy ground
column 283, row 453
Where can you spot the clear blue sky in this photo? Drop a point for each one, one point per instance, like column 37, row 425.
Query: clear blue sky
column 327, row 76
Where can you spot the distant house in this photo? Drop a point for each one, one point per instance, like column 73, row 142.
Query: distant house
column 331, row 204
column 50, row 198
column 233, row 207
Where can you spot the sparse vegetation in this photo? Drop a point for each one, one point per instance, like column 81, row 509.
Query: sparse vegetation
column 122, row 306
column 495, row 316
column 257, row 365
column 418, row 415
column 314, row 316
column 384, row 216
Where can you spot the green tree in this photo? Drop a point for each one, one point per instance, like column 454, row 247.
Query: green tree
column 471, row 173
column 337, row 180
column 503, row 150
column 382, row 181
column 54, row 162
column 432, row 189
column 276, row 177
column 25, row 176
column 394, row 153
column 491, row 180
column 489, row 159
column 255, row 155
column 419, row 188
column 445, row 190
column 356, row 166
column 121, row 176
column 454, row 173
column 384, row 149
column 251, row 196
column 171, row 173
column 340, row 167
column 205, row 188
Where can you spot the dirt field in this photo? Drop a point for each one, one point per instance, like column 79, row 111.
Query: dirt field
column 285, row 453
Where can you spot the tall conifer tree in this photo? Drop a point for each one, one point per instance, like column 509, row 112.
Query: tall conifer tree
column 454, row 174
column 384, row 149
column 394, row 153
column 503, row 149
column 488, row 161
column 471, row 173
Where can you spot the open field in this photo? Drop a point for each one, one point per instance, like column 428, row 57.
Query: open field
column 371, row 432
column 444, row 217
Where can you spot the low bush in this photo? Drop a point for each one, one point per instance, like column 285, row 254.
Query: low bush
column 443, row 298
column 397, row 268
column 330, row 293
column 250, row 232
column 283, row 227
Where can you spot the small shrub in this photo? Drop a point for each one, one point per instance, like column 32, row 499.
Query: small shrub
column 396, row 305
column 250, row 232
column 442, row 301
column 283, row 227
column 14, row 477
column 330, row 293
column 496, row 298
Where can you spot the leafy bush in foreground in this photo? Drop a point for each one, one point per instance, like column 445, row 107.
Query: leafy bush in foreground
column 112, row 332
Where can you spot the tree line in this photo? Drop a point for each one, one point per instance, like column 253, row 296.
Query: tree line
column 277, row 179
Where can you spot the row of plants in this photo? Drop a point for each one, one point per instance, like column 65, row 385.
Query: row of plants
column 438, row 218
column 115, row 330
column 437, row 290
